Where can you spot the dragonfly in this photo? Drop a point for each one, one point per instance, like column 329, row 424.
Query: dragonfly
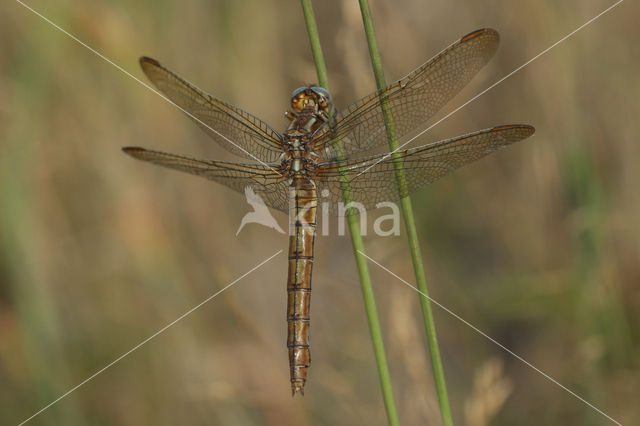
column 321, row 150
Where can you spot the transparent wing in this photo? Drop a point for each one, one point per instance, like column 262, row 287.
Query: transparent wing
column 413, row 99
column 372, row 179
column 234, row 129
column 265, row 181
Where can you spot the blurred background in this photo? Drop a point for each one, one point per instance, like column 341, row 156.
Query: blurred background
column 537, row 245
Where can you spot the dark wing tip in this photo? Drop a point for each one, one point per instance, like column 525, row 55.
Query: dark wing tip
column 487, row 32
column 148, row 64
column 527, row 129
column 133, row 151
column 147, row 60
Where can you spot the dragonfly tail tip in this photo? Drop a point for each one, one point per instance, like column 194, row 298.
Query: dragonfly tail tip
column 297, row 387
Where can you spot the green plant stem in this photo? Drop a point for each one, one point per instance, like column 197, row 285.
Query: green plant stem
column 356, row 238
column 410, row 226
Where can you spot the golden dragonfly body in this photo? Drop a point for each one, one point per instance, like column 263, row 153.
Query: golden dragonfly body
column 296, row 165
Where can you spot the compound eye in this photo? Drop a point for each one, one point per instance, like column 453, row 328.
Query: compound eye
column 321, row 91
column 298, row 91
column 299, row 99
column 324, row 98
column 324, row 104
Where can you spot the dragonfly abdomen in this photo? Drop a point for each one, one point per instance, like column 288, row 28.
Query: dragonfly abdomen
column 302, row 203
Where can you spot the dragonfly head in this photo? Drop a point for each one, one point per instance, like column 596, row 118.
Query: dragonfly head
column 314, row 97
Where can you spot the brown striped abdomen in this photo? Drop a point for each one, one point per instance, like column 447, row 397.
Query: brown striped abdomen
column 302, row 203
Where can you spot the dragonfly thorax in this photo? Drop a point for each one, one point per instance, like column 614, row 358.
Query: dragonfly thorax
column 299, row 156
